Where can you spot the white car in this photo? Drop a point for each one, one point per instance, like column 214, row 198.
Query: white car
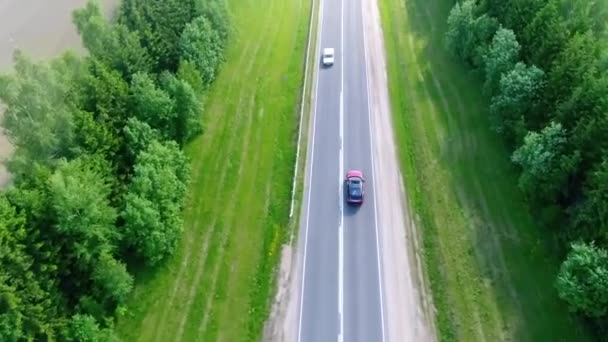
column 328, row 56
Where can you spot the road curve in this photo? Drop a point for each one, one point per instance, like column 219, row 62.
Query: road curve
column 341, row 283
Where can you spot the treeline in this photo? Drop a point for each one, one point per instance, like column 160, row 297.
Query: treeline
column 99, row 176
column 545, row 66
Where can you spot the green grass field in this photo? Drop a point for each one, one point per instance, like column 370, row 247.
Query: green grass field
column 490, row 269
column 218, row 285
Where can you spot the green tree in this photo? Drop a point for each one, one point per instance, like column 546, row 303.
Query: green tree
column 114, row 45
column 468, row 36
column 500, row 58
column 24, row 305
column 459, row 36
column 201, row 45
column 153, row 223
column 583, row 279
column 517, row 98
column 188, row 72
column 112, row 281
column 571, row 66
column 85, row 219
column 38, row 119
column 217, row 13
column 590, row 218
column 138, row 135
column 545, row 164
column 188, row 107
column 84, row 328
column 584, row 113
column 160, row 24
column 545, row 36
column 153, row 105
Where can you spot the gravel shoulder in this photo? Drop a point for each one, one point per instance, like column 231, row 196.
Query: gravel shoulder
column 408, row 308
column 42, row 29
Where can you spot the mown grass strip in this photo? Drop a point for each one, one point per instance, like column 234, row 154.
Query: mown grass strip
column 490, row 270
column 218, row 284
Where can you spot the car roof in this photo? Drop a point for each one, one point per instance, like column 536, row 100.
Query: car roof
column 328, row 51
column 354, row 173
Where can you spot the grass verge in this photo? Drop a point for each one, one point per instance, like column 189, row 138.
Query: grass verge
column 306, row 102
column 490, row 269
column 217, row 286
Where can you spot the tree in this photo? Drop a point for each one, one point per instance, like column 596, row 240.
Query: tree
column 545, row 164
column 517, row 98
column 160, row 24
column 84, row 328
column 459, row 36
column 216, row 12
column 545, row 36
column 85, row 219
column 500, row 58
column 24, row 305
column 114, row 45
column 154, row 200
column 590, row 217
column 468, row 36
column 188, row 108
column 583, row 279
column 571, row 66
column 188, row 72
column 584, row 114
column 112, row 281
column 138, row 136
column 201, row 45
column 153, row 105
column 38, row 119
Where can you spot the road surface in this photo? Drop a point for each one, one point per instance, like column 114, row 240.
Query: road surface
column 358, row 271
column 342, row 286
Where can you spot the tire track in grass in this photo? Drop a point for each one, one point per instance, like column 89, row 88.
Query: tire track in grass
column 214, row 227
column 481, row 195
column 190, row 228
column 490, row 218
column 187, row 243
column 444, row 199
column 217, row 168
column 218, row 284
column 196, row 169
column 202, row 256
column 249, row 150
column 222, row 244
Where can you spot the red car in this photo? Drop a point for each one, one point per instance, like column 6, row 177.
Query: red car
column 354, row 187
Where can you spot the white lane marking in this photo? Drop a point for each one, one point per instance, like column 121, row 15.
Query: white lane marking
column 341, row 230
column 340, row 178
column 371, row 148
column 302, row 101
column 312, row 160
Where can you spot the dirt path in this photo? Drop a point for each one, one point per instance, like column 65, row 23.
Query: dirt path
column 408, row 308
column 42, row 29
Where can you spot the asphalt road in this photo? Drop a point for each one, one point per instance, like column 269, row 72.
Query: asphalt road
column 341, row 292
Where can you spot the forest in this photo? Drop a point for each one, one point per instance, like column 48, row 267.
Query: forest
column 99, row 177
column 544, row 65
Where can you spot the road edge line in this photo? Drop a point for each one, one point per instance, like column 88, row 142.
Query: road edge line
column 312, row 125
column 371, row 135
